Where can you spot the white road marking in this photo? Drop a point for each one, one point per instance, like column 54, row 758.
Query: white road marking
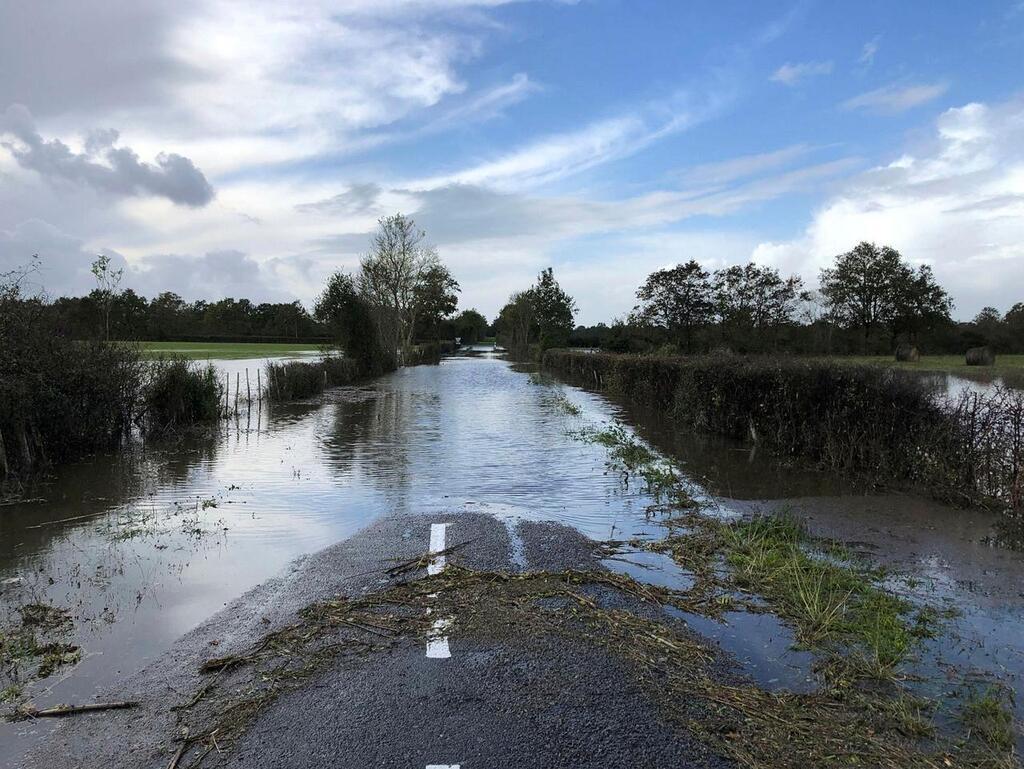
column 437, row 641
column 442, row 766
column 437, row 537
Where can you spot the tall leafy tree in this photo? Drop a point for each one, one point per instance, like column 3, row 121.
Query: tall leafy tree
column 470, row 326
column 554, row 310
column 516, row 323
column 678, row 299
column 860, row 287
column 107, row 282
column 753, row 302
column 919, row 303
column 437, row 296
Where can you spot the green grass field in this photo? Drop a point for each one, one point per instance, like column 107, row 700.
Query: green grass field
column 1010, row 367
column 225, row 350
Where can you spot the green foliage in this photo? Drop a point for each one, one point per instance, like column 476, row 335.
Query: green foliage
column 868, row 421
column 299, row 379
column 179, row 393
column 871, row 286
column 542, row 315
column 349, row 315
column 990, row 720
column 678, row 299
column 436, row 297
column 59, row 399
column 828, row 599
column 469, row 326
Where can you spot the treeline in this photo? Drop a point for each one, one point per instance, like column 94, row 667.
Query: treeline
column 169, row 317
column 110, row 313
column 870, row 301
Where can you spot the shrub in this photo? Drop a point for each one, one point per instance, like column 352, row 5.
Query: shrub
column 59, row 399
column 302, row 379
column 870, row 421
column 178, row 393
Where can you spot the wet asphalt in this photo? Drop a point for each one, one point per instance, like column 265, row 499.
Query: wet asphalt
column 508, row 700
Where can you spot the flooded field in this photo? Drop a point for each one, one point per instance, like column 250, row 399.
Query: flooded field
column 144, row 546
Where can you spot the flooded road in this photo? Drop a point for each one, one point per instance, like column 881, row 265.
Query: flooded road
column 144, row 546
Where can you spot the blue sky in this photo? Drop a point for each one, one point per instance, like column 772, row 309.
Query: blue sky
column 220, row 147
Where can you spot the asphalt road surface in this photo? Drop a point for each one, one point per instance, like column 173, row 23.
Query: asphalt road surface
column 510, row 699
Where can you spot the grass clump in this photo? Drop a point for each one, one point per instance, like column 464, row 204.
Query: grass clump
column 631, row 457
column 292, row 380
column 827, row 600
column 989, row 722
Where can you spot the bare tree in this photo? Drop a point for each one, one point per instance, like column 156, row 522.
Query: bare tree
column 391, row 278
column 107, row 282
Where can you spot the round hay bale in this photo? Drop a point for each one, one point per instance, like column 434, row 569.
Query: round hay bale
column 980, row 356
column 907, row 353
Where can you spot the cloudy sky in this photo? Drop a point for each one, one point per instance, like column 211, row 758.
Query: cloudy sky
column 247, row 147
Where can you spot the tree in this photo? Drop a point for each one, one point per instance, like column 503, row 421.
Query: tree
column 107, row 281
column 346, row 311
column 554, row 311
column 515, row 325
column 754, row 302
column 1014, row 320
column 165, row 315
column 678, row 299
column 861, row 287
column 919, row 303
column 437, row 296
column 470, row 326
column 988, row 324
column 394, row 278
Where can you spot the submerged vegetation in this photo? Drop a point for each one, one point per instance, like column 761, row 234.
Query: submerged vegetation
column 178, row 392
column 862, row 632
column 683, row 674
column 870, row 422
column 33, row 645
column 291, row 380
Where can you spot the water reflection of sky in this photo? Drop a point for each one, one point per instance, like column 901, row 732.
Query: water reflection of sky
column 283, row 481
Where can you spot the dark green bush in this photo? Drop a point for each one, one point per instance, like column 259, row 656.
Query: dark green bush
column 883, row 424
column 302, row 379
column 180, row 392
column 59, row 399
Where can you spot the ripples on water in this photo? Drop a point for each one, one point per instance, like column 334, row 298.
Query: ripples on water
column 283, row 481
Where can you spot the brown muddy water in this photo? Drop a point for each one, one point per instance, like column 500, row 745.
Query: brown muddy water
column 145, row 545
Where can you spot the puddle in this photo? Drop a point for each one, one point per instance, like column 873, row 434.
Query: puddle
column 650, row 568
column 763, row 645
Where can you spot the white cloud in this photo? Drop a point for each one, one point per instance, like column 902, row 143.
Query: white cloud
column 868, row 52
column 559, row 155
column 896, row 98
column 744, row 166
column 956, row 203
column 792, row 74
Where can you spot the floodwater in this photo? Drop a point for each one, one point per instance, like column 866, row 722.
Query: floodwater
column 145, row 545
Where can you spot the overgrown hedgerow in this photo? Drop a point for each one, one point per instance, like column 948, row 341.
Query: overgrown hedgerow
column 881, row 424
